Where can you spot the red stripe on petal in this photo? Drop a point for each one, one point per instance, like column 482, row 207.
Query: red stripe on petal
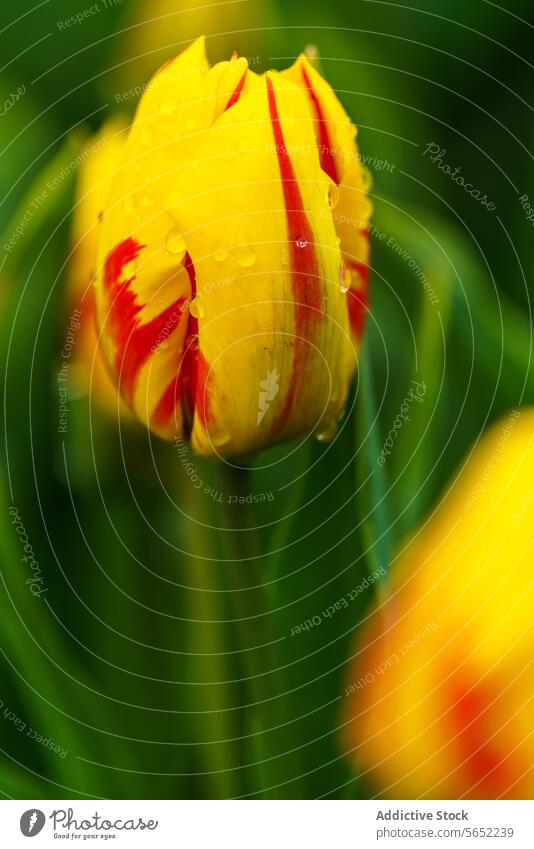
column 327, row 153
column 134, row 342
column 237, row 91
column 358, row 298
column 305, row 271
column 190, row 384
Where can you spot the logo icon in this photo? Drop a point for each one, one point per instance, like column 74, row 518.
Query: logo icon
column 32, row 822
column 270, row 389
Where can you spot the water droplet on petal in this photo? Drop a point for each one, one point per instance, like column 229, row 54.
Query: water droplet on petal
column 192, row 342
column 196, row 307
column 243, row 144
column 194, row 163
column 345, row 279
column 220, row 253
column 301, row 242
column 175, row 243
column 145, row 200
column 327, row 432
column 245, row 256
column 219, row 436
column 332, row 196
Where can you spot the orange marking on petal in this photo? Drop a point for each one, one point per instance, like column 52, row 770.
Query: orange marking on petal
column 327, row 154
column 303, row 257
column 358, row 299
column 486, row 766
column 237, row 91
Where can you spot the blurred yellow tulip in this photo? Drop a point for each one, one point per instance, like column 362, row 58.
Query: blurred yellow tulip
column 225, row 293
column 438, row 702
column 92, row 192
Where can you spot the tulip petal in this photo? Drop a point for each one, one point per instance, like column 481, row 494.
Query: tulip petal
column 262, row 241
column 340, row 159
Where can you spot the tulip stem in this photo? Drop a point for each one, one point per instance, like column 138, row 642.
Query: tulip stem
column 269, row 742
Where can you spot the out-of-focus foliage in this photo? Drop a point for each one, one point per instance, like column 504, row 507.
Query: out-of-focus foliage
column 128, row 661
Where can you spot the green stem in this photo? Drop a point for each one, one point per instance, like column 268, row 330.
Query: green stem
column 271, row 747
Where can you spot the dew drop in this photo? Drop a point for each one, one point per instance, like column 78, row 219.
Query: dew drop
column 192, row 342
column 243, row 144
column 245, row 256
column 196, row 307
column 219, row 436
column 332, row 196
column 194, row 163
column 220, row 253
column 327, row 433
column 301, row 242
column 345, row 279
column 145, row 200
column 175, row 243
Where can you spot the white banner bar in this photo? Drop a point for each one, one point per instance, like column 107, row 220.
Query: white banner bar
column 268, row 825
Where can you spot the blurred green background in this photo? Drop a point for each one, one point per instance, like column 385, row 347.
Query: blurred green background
column 132, row 662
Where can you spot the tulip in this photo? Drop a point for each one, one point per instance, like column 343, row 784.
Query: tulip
column 439, row 695
column 226, row 291
column 95, row 173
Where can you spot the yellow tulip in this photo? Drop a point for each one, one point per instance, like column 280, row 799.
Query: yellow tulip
column 225, row 292
column 98, row 166
column 439, row 696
